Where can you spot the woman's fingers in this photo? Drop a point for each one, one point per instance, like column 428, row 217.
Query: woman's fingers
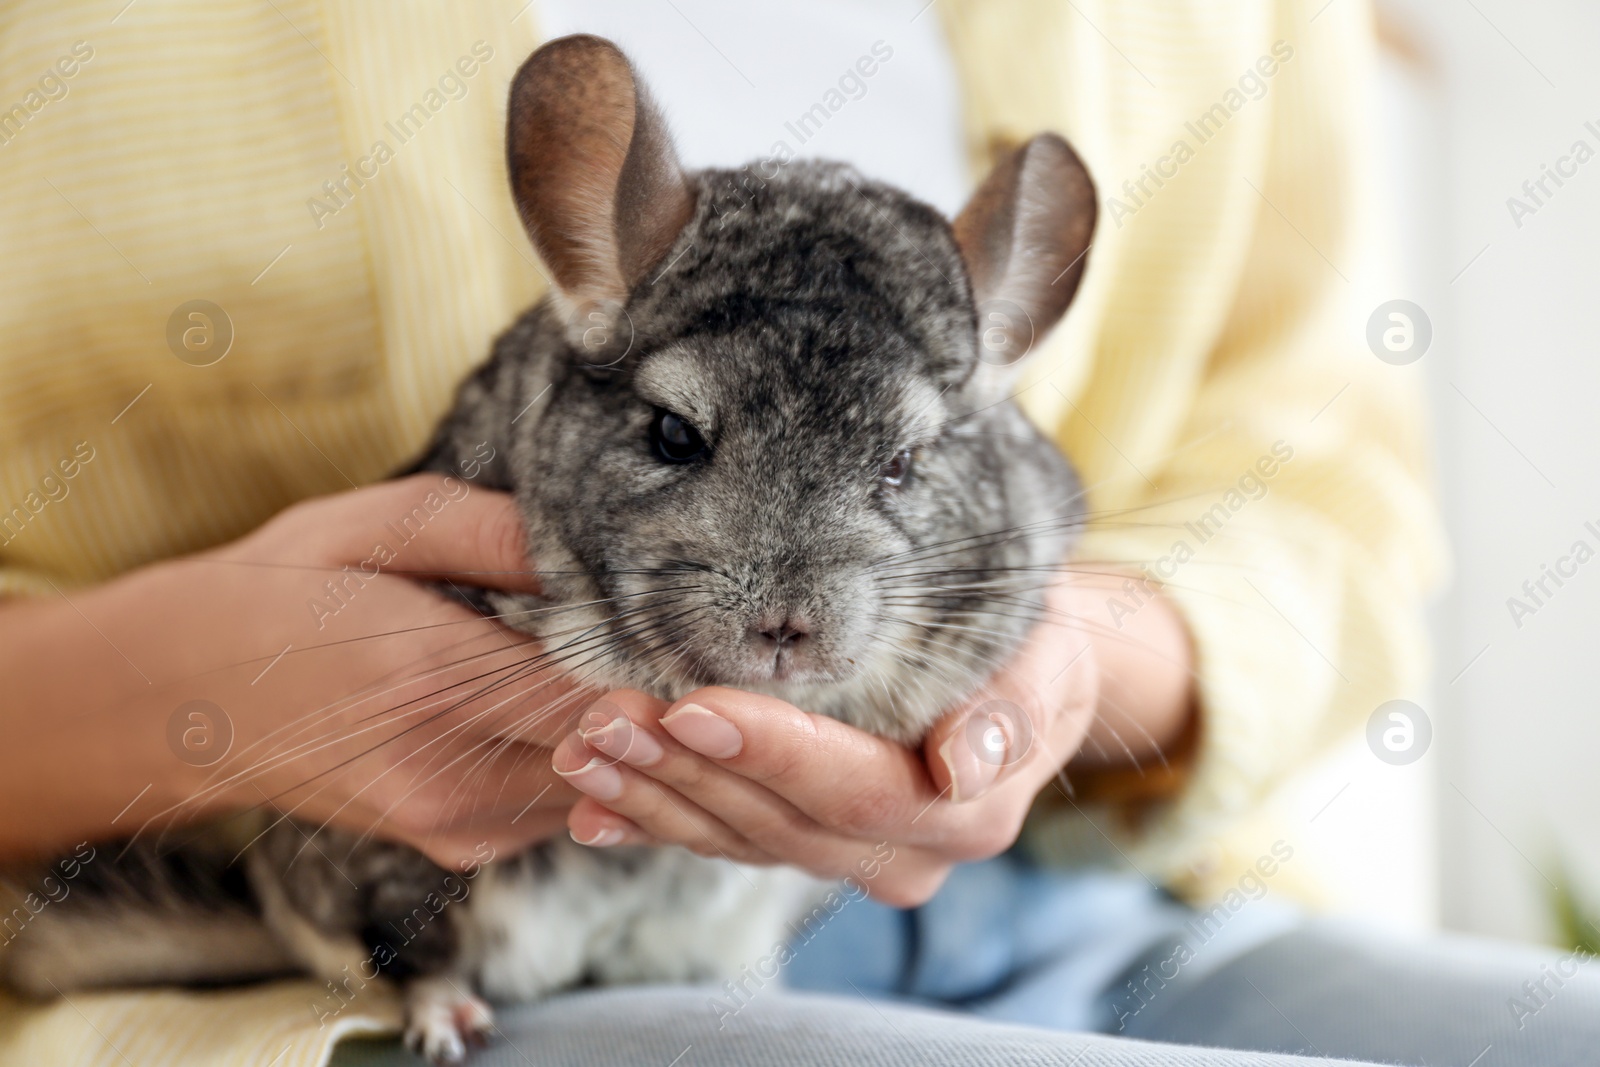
column 426, row 525
column 656, row 809
column 900, row 876
column 628, row 737
column 643, row 783
column 1030, row 716
column 592, row 823
column 847, row 780
column 772, row 825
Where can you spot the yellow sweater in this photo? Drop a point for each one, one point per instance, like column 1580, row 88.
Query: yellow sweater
column 1212, row 380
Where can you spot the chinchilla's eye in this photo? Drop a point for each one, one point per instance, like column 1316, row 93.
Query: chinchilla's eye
column 896, row 471
column 675, row 440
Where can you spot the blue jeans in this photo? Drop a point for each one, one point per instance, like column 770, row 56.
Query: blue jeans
column 1014, row 942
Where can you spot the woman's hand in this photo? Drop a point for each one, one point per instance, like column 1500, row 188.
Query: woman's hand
column 302, row 669
column 753, row 779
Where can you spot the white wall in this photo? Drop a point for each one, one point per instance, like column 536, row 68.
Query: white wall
column 1514, row 377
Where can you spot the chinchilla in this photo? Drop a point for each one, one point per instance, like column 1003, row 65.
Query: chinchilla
column 762, row 434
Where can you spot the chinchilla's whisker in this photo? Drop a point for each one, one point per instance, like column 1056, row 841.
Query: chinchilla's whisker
column 936, row 630
column 520, row 730
column 366, row 836
column 418, row 572
column 511, row 678
column 1116, row 735
column 1099, row 749
column 935, row 658
column 526, row 725
column 647, row 631
column 348, row 705
column 970, row 542
column 491, row 743
column 1053, row 523
column 1000, row 636
column 927, row 661
column 653, row 645
column 1097, row 570
column 1050, row 525
column 484, row 691
column 437, row 742
column 393, row 713
column 1016, row 606
column 509, row 709
column 579, row 653
column 989, row 612
column 530, row 722
column 626, row 641
column 231, row 773
column 525, row 728
column 970, row 592
column 537, row 663
column 521, row 614
column 650, row 651
column 543, row 712
column 607, row 640
column 678, row 565
column 1160, row 753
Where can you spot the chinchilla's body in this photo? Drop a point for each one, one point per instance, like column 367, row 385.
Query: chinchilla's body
column 756, row 441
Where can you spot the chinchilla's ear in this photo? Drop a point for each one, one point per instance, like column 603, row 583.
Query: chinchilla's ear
column 1025, row 238
column 595, row 177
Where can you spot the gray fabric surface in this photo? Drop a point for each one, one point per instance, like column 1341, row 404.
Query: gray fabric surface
column 1321, row 993
column 1338, row 990
column 673, row 1027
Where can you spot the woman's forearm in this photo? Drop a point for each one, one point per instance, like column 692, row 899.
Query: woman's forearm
column 81, row 740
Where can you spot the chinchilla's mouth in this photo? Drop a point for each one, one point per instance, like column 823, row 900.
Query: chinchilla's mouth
column 782, row 671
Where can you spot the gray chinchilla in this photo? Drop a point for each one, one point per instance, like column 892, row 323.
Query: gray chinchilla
column 761, row 434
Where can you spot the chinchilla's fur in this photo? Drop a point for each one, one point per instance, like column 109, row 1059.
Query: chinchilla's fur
column 866, row 532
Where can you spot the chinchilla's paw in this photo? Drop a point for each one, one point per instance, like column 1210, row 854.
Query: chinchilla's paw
column 443, row 1019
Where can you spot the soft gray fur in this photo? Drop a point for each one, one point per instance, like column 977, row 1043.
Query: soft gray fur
column 812, row 326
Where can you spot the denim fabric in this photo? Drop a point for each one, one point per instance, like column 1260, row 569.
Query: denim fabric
column 1005, row 940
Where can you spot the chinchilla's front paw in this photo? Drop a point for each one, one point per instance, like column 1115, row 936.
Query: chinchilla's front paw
column 443, row 1019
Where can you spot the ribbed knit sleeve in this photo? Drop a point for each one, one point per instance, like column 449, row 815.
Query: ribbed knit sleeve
column 1243, row 446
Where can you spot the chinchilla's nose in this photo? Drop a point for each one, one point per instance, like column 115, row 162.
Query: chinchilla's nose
column 780, row 630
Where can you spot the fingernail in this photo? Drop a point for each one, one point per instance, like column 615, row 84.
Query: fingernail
column 622, row 740
column 603, row 838
column 970, row 776
column 704, row 731
column 597, row 778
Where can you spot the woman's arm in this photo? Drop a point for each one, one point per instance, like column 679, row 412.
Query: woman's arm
column 240, row 679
